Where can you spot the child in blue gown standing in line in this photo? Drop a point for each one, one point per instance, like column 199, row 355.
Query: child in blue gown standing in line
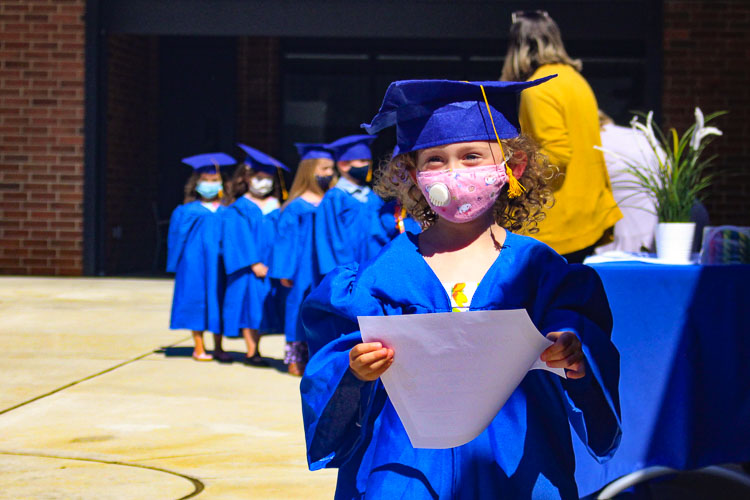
column 354, row 222
column 194, row 255
column 462, row 170
column 249, row 231
column 293, row 262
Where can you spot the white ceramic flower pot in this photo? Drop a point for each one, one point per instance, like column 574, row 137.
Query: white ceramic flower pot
column 674, row 241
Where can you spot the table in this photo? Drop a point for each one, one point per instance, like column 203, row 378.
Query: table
column 684, row 344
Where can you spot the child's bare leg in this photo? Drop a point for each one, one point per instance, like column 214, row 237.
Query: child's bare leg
column 252, row 338
column 199, row 351
column 219, row 353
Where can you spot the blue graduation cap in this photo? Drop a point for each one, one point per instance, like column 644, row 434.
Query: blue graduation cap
column 260, row 161
column 353, row 147
column 309, row 151
column 430, row 113
column 209, row 163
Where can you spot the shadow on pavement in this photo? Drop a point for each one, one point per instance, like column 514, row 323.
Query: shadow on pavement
column 237, row 357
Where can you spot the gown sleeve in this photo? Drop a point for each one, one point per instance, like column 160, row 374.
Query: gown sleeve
column 180, row 225
column 338, row 409
column 337, row 234
column 240, row 236
column 283, row 262
column 572, row 298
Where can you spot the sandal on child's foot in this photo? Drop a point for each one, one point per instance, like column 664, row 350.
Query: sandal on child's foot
column 255, row 360
column 204, row 356
column 222, row 357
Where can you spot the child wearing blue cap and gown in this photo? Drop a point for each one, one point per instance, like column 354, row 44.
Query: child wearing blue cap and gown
column 249, row 231
column 293, row 262
column 194, row 255
column 462, row 170
column 354, row 222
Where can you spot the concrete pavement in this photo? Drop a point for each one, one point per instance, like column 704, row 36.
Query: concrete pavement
column 100, row 400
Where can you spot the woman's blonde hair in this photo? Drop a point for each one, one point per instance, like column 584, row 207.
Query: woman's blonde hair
column 534, row 41
column 514, row 214
column 304, row 179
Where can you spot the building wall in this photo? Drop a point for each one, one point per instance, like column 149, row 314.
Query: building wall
column 41, row 136
column 706, row 53
column 42, row 118
column 131, row 153
column 258, row 92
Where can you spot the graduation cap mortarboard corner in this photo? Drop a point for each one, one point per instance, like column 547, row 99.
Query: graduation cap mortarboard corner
column 352, row 147
column 310, row 151
column 429, row 113
column 209, row 162
column 259, row 160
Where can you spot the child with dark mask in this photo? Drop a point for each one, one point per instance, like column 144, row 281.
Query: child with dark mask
column 194, row 255
column 293, row 262
column 354, row 223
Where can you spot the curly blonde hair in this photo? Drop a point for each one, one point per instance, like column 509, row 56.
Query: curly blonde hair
column 523, row 212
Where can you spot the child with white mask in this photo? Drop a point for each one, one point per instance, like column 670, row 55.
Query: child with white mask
column 249, row 230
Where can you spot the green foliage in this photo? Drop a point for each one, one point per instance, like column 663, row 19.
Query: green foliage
column 682, row 175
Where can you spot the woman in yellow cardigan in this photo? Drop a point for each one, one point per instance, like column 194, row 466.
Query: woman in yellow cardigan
column 562, row 116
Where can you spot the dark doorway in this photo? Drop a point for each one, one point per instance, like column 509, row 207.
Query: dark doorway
column 197, row 102
column 167, row 98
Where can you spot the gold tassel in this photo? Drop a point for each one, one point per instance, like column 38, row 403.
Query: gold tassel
column 369, row 174
column 515, row 188
column 284, row 192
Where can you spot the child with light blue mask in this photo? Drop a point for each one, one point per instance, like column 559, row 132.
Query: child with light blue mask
column 194, row 255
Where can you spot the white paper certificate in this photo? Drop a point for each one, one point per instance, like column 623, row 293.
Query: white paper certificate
column 452, row 372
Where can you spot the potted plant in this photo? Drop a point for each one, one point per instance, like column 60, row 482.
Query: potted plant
column 677, row 183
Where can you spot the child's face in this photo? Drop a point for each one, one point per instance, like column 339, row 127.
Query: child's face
column 324, row 168
column 205, row 177
column 262, row 175
column 459, row 155
column 345, row 166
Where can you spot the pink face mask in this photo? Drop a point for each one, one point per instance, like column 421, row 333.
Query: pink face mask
column 462, row 194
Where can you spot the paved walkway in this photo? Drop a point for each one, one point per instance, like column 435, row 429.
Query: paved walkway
column 100, row 400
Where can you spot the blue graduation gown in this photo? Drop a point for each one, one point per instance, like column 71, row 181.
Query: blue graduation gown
column 194, row 254
column 348, row 230
column 526, row 451
column 275, row 303
column 293, row 259
column 248, row 235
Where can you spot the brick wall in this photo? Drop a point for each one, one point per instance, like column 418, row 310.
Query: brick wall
column 41, row 136
column 131, row 152
column 706, row 54
column 258, row 89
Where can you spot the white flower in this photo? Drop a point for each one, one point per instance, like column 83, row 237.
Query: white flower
column 647, row 129
column 700, row 132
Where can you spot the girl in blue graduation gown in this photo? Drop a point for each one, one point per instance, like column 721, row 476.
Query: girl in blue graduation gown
column 249, row 231
column 293, row 262
column 472, row 192
column 355, row 223
column 194, row 255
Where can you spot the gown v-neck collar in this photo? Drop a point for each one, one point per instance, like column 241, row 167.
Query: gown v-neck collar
column 481, row 293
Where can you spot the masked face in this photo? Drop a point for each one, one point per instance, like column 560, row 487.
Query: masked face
column 462, row 194
column 324, row 181
column 208, row 189
column 261, row 186
column 360, row 173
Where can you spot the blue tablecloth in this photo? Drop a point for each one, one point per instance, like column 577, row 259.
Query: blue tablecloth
column 684, row 344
